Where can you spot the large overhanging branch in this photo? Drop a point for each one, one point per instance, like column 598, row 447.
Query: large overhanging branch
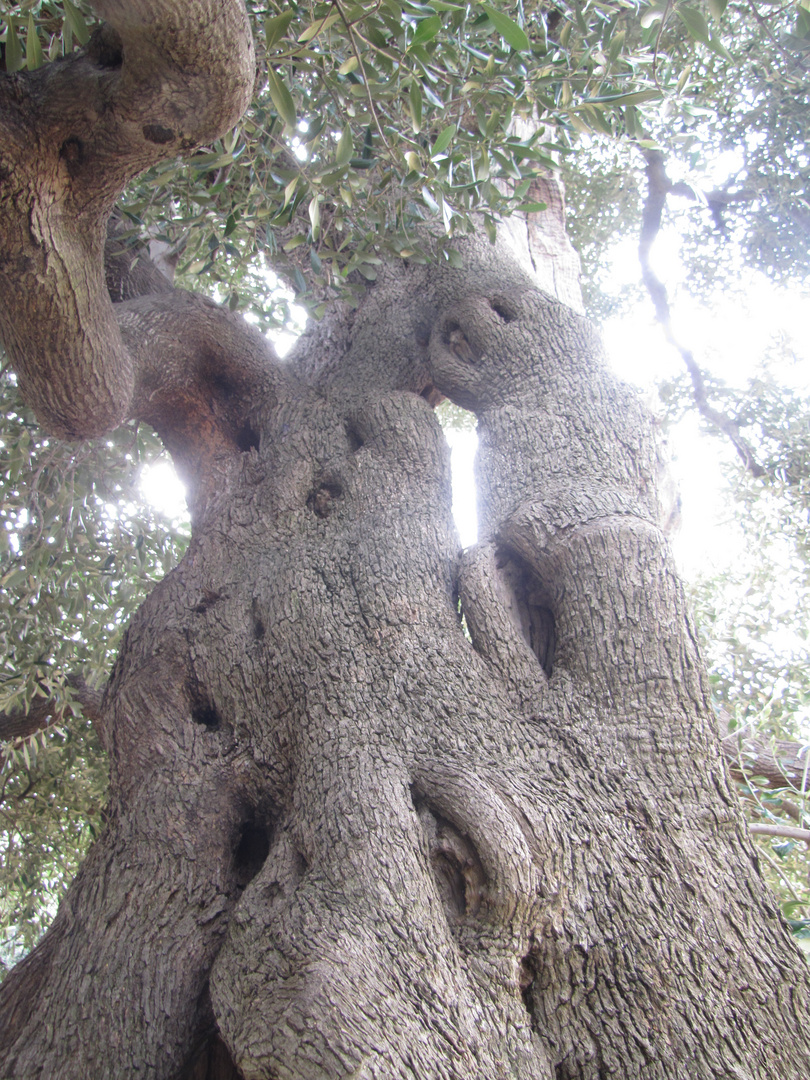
column 161, row 77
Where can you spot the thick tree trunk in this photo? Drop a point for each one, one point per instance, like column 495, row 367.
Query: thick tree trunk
column 344, row 839
column 355, row 844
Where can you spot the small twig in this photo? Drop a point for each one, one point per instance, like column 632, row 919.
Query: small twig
column 763, row 23
column 664, row 17
column 658, row 188
column 369, row 95
column 787, row 831
column 782, row 875
column 378, row 48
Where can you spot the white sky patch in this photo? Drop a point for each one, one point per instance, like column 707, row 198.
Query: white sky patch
column 722, row 168
column 730, row 335
column 463, row 445
column 283, row 340
column 709, row 537
column 162, row 489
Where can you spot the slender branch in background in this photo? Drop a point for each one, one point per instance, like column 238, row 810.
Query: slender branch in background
column 780, row 763
column 659, row 187
column 359, row 59
column 43, row 713
column 793, row 57
column 789, row 809
column 664, row 17
column 781, row 830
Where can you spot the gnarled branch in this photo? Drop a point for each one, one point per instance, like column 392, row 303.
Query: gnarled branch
column 162, row 77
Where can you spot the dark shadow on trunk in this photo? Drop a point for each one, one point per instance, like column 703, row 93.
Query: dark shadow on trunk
column 531, row 608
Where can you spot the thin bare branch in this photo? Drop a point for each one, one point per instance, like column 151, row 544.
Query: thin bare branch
column 658, row 188
column 780, row 871
column 786, row 831
column 359, row 59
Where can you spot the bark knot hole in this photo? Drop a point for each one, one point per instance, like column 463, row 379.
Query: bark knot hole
column 203, row 711
column 354, row 438
column 247, row 438
column 156, row 133
column 105, row 47
column 252, row 849
column 454, row 863
column 72, row 152
column 503, row 309
column 321, row 501
column 207, row 716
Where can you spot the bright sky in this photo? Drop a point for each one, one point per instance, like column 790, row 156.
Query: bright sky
column 730, row 337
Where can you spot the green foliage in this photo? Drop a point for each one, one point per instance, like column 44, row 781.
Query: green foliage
column 372, row 118
column 38, row 31
column 79, row 550
column 376, row 118
column 51, row 809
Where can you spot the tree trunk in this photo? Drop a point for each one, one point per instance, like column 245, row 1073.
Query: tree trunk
column 353, row 843
column 344, row 839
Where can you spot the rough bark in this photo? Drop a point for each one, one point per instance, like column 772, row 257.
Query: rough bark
column 346, row 841
column 160, row 78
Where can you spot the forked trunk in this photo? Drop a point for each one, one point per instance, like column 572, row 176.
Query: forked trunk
column 346, row 840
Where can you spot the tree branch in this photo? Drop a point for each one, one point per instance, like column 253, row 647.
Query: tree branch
column 658, row 188
column 44, row 712
column 161, row 78
column 781, row 764
column 780, row 830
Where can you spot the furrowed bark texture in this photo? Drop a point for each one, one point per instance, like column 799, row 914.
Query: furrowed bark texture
column 345, row 839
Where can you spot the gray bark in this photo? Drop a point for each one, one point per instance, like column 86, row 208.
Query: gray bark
column 345, row 840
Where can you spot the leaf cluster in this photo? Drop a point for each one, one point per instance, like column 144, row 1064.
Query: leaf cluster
column 78, row 553
column 373, row 121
